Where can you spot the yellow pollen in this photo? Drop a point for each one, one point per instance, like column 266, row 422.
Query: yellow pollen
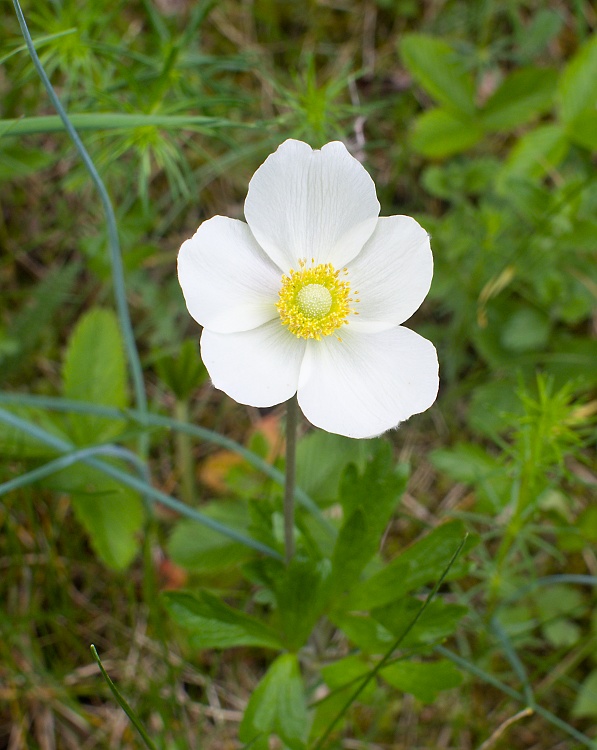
column 314, row 302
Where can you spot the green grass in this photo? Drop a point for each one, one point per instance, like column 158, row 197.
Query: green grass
column 477, row 119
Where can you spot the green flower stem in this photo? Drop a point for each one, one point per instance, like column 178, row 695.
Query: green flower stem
column 184, row 455
column 291, row 425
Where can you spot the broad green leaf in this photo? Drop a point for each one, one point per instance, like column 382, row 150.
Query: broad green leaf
column 583, row 131
column 440, row 70
column 424, row 680
column 465, row 462
column 438, row 133
column 367, row 634
column 523, row 95
column 422, row 563
column 213, row 624
column 277, row 707
column 526, row 330
column 203, row 550
column 302, row 591
column 535, row 154
column 320, row 479
column 95, row 370
column 368, row 500
column 342, row 677
column 532, row 38
column 586, row 700
column 352, row 551
column 111, row 513
column 577, row 87
column 438, row 621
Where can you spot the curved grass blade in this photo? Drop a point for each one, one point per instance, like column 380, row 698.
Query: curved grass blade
column 115, row 253
column 123, row 703
column 58, row 464
column 146, row 419
column 113, row 121
column 143, row 487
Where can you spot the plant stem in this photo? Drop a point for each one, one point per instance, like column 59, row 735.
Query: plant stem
column 184, row 455
column 291, row 425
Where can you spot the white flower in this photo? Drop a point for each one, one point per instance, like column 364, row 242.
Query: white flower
column 308, row 296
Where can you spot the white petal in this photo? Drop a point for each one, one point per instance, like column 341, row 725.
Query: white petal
column 228, row 282
column 311, row 204
column 258, row 367
column 367, row 383
column 393, row 272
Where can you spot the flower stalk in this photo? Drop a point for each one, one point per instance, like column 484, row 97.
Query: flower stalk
column 289, row 484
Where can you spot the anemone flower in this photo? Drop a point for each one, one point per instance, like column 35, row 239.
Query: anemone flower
column 308, row 296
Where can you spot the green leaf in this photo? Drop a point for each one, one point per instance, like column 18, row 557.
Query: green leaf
column 367, row 634
column 200, row 549
column 535, row 154
column 95, row 370
column 438, row 621
column 586, row 700
column 526, row 330
column 111, row 514
column 424, row 680
column 523, row 95
column 438, row 133
column 352, row 551
column 368, row 501
column 213, row 624
column 577, row 87
column 277, row 706
column 466, row 462
column 422, row 563
column 440, row 70
column 302, row 592
column 583, row 131
column 321, row 479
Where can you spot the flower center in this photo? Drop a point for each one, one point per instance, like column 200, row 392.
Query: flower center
column 314, row 302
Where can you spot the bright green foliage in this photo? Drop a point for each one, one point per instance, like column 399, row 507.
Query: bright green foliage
column 202, row 550
column 277, row 706
column 577, row 87
column 521, row 96
column 415, row 567
column 111, row 514
column 439, row 69
column 213, row 624
column 94, row 370
column 423, row 679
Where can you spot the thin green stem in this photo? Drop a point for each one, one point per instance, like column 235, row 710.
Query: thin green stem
column 184, row 455
column 290, row 480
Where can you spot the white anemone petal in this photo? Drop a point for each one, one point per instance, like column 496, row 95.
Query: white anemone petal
column 258, row 367
column 309, row 204
column 367, row 383
column 392, row 274
column 228, row 282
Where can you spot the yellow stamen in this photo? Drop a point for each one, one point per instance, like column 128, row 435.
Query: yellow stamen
column 314, row 302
